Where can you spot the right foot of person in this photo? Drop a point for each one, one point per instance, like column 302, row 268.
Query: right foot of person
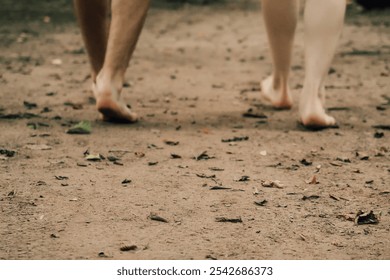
column 312, row 113
column 110, row 105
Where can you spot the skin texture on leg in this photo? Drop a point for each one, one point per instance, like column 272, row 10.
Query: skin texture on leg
column 280, row 18
column 323, row 26
column 93, row 18
column 110, row 45
column 128, row 17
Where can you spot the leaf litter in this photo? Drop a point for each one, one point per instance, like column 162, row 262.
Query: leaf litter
column 261, row 202
column 214, row 188
column 272, row 184
column 83, row 127
column 155, row 217
column 128, row 248
column 228, row 220
column 7, row 153
column 203, row 156
column 251, row 114
column 235, row 139
column 364, row 218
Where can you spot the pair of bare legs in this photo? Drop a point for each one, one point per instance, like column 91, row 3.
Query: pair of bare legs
column 110, row 43
column 323, row 22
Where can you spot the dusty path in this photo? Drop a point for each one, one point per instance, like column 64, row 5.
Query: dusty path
column 194, row 74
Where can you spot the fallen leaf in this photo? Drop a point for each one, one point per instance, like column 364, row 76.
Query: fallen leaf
column 306, row 162
column 362, row 156
column 310, row 197
column 139, row 154
column 171, row 143
column 216, row 169
column 363, row 218
column 219, row 188
column 228, row 220
column 210, row 257
column 157, row 218
column 334, row 197
column 128, row 248
column 126, row 181
column 94, row 157
column 61, row 178
column 312, row 181
column 338, row 109
column 203, row 156
column 175, row 156
column 303, row 238
column 11, row 193
column 272, row 184
column 343, row 159
column 102, row 255
column 382, row 126
column 18, row 116
column 251, row 114
column 113, row 158
column 40, row 147
column 83, row 127
column 378, row 134
column 7, row 153
column 30, row 105
column 205, row 176
column 261, row 202
column 244, row 178
column 235, row 139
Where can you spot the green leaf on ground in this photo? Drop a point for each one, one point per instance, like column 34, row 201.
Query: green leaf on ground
column 83, row 127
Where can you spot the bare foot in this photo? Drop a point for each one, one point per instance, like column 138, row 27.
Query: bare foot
column 110, row 106
column 312, row 113
column 278, row 98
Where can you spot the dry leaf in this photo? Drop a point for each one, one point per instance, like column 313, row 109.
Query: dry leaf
column 312, row 181
column 42, row 147
column 272, row 184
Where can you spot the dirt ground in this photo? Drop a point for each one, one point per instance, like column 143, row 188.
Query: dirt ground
column 194, row 75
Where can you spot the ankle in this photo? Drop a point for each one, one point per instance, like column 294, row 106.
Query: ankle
column 108, row 81
column 280, row 84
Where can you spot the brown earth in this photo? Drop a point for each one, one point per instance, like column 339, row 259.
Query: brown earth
column 195, row 72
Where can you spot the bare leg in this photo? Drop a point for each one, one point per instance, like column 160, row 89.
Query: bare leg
column 93, row 17
column 280, row 20
column 323, row 25
column 127, row 21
